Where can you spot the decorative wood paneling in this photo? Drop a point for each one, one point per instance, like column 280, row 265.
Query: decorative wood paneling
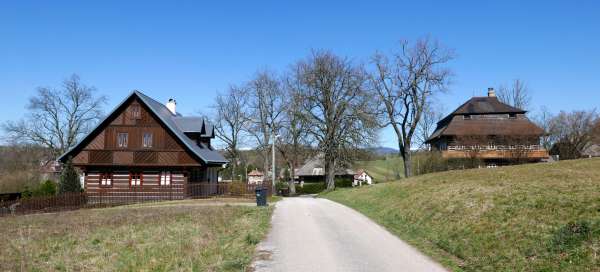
column 169, row 142
column 123, row 157
column 185, row 158
column 145, row 157
column 81, row 158
column 97, row 143
column 168, row 158
column 100, row 156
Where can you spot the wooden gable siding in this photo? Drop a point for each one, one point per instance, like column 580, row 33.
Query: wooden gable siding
column 150, row 187
column 104, row 149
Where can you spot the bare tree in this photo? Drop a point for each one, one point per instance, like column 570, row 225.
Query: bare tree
column 405, row 82
column 293, row 132
column 431, row 115
column 58, row 118
column 543, row 119
column 230, row 121
column 517, row 95
column 265, row 111
column 335, row 106
column 573, row 132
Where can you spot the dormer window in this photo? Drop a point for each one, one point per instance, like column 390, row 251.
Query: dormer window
column 512, row 116
column 467, row 117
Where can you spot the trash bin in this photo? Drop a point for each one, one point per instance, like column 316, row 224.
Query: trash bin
column 261, row 196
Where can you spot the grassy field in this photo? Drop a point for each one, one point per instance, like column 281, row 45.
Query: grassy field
column 157, row 237
column 382, row 170
column 542, row 217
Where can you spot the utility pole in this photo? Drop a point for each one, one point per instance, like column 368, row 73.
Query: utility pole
column 273, row 160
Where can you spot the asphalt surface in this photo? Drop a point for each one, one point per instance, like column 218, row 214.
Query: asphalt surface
column 313, row 234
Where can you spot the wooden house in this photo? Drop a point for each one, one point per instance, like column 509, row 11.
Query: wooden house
column 313, row 170
column 489, row 130
column 145, row 147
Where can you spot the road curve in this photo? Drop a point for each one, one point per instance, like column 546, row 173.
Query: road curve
column 313, row 234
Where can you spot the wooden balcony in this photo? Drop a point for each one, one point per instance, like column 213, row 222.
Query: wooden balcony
column 532, row 152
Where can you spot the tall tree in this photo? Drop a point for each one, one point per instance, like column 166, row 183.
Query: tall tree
column 405, row 82
column 230, row 122
column 58, row 118
column 266, row 110
column 335, row 106
column 293, row 132
column 516, row 95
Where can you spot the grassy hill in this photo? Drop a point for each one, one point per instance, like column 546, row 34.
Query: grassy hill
column 189, row 235
column 542, row 217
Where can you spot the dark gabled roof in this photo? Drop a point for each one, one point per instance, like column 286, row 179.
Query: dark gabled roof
column 195, row 125
column 168, row 119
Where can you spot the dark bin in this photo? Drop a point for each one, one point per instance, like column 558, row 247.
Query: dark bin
column 261, row 196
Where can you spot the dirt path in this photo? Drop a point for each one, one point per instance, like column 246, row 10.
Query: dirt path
column 311, row 234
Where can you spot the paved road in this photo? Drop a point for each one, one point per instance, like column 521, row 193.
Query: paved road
column 312, row 234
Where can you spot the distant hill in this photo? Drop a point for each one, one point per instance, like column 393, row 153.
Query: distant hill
column 382, row 150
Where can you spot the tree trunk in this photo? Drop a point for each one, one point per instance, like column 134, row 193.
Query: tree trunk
column 406, row 159
column 291, row 184
column 266, row 164
column 407, row 165
column 329, row 172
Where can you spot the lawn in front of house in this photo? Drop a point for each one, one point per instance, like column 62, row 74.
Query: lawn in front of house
column 536, row 217
column 153, row 238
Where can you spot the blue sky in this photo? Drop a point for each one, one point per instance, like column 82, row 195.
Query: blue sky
column 191, row 50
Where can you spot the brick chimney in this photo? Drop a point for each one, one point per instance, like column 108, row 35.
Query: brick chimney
column 491, row 92
column 171, row 104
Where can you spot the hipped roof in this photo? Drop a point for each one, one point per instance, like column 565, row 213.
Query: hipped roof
column 485, row 126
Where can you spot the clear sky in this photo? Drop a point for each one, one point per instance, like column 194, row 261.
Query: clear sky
column 191, row 50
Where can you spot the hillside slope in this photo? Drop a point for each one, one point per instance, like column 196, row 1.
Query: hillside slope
column 543, row 217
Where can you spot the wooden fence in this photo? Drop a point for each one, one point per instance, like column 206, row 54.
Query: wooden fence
column 107, row 198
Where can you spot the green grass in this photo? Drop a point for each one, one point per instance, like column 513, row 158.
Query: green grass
column 151, row 238
column 542, row 217
column 383, row 170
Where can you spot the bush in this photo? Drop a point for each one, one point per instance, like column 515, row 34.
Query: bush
column 69, row 180
column 571, row 235
column 432, row 162
column 281, row 185
column 343, row 182
column 46, row 188
column 310, row 188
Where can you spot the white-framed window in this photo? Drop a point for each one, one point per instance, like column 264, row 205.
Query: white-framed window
column 136, row 179
column 122, row 139
column 135, row 112
column 147, row 140
column 106, row 179
column 165, row 178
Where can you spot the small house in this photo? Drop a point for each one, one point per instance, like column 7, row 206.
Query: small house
column 362, row 177
column 313, row 170
column 256, row 177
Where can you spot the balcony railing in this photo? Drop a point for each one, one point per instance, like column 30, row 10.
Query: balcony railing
column 493, row 147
